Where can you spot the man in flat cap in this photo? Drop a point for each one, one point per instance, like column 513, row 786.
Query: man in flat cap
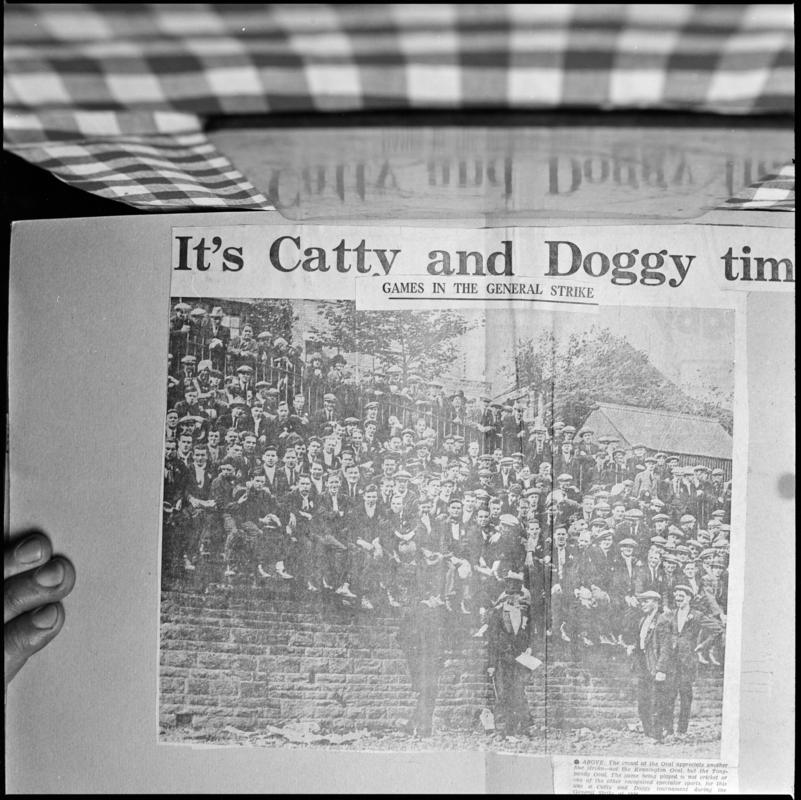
column 723, row 491
column 649, row 576
column 513, row 431
column 571, row 463
column 487, row 425
column 179, row 330
column 243, row 349
column 327, row 415
column 703, row 497
column 637, row 456
column 506, row 475
column 595, row 575
column 624, row 586
column 646, row 483
column 215, row 338
column 684, row 625
column 539, row 450
column 618, row 470
column 633, row 527
column 678, row 495
column 652, row 658
column 586, row 446
column 507, row 639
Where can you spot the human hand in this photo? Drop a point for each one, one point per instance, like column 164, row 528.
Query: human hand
column 34, row 581
column 660, row 677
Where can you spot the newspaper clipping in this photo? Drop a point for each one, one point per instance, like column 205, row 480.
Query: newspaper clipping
column 437, row 488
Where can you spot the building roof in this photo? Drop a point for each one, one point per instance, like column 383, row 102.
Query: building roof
column 658, row 429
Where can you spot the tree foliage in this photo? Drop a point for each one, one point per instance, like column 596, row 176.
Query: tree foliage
column 423, row 342
column 597, row 366
column 275, row 316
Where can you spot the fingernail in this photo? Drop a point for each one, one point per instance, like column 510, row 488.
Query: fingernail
column 29, row 551
column 45, row 617
column 51, row 574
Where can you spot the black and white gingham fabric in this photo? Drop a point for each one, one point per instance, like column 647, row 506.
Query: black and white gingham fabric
column 771, row 193
column 144, row 77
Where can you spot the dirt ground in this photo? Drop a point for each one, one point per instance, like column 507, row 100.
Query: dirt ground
column 702, row 741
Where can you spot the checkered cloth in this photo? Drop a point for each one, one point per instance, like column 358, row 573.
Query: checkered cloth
column 113, row 98
column 771, row 193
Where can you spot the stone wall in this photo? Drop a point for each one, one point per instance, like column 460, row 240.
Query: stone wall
column 251, row 658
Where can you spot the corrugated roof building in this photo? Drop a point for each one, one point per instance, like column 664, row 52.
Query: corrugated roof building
column 694, row 439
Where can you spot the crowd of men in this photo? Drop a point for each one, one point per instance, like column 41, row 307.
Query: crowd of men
column 528, row 534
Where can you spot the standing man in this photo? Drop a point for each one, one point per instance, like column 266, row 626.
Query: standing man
column 651, row 665
column 508, row 637
column 215, row 338
column 683, row 626
column 420, row 637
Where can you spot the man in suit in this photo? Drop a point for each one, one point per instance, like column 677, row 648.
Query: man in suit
column 404, row 490
column 279, row 430
column 646, row 482
column 243, row 349
column 455, row 540
column 367, row 555
column 259, row 542
column 513, row 430
column 633, row 527
column 200, row 504
column 300, row 506
column 353, row 483
column 595, row 574
column 703, row 497
column 624, row 591
column 332, row 537
column 287, row 475
column 651, row 651
column 559, row 585
column 175, row 476
column 328, row 455
column 539, row 450
column 422, row 630
column 507, row 638
column 537, row 547
column 618, row 470
column 648, row 577
column 486, row 425
column 678, row 494
column 326, row 416
column 586, row 446
column 506, row 475
column 215, row 338
column 683, row 625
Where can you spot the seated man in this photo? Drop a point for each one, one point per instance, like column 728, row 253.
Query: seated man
column 455, row 542
column 332, row 538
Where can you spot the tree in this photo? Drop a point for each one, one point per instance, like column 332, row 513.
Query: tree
column 597, row 366
column 424, row 342
column 275, row 316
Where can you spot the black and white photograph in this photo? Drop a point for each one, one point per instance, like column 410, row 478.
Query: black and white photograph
column 372, row 540
column 400, row 398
